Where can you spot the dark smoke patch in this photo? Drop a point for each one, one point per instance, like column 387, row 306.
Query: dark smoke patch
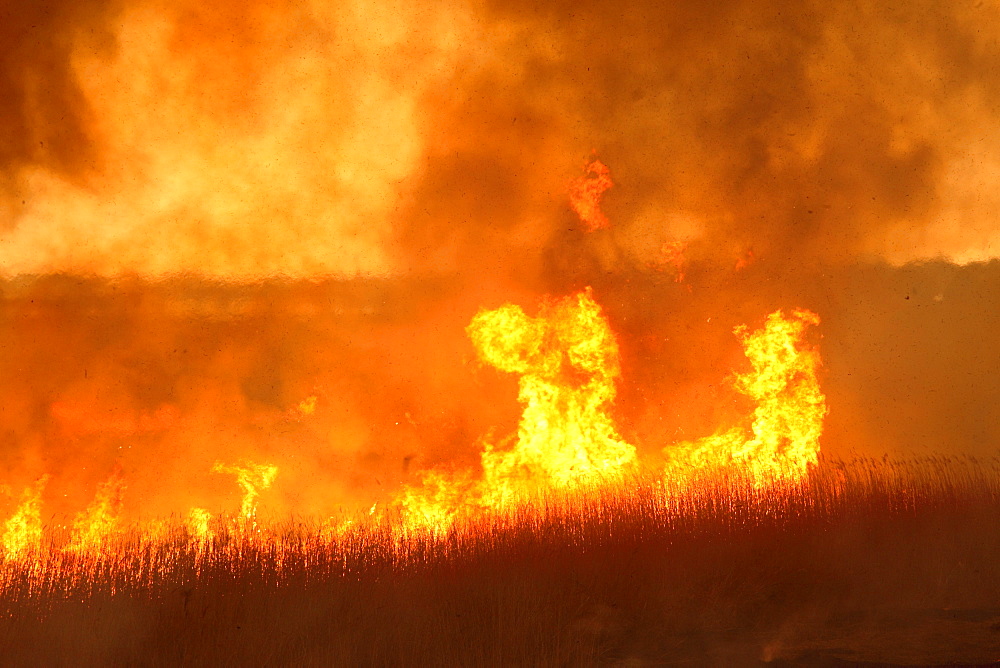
column 44, row 116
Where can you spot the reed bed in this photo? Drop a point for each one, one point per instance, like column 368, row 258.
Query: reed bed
column 643, row 572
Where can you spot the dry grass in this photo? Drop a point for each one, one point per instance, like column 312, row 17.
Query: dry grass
column 873, row 560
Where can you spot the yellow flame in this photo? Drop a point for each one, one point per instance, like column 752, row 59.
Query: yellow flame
column 198, row 520
column 782, row 441
column 253, row 478
column 567, row 360
column 93, row 526
column 23, row 531
column 308, row 405
column 437, row 502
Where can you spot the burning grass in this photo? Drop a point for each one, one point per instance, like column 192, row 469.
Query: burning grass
column 871, row 559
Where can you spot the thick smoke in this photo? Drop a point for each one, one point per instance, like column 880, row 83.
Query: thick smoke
column 251, row 139
column 45, row 114
column 212, row 214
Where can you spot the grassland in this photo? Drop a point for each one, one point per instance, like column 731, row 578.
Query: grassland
column 871, row 561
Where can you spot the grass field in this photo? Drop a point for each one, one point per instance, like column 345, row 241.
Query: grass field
column 870, row 561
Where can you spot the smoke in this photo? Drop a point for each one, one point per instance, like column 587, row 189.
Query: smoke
column 212, row 214
column 237, row 142
column 345, row 386
column 299, row 139
column 45, row 113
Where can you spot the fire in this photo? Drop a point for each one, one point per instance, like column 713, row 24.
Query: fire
column 253, row 478
column 567, row 361
column 198, row 524
column 23, row 531
column 585, row 194
column 94, row 525
column 440, row 498
column 782, row 441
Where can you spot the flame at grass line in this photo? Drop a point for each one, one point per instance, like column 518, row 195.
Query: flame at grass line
column 23, row 531
column 782, row 440
column 198, row 520
column 94, row 525
column 567, row 360
column 253, row 478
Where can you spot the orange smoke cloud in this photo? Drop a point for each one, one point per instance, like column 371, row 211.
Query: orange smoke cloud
column 377, row 138
column 238, row 141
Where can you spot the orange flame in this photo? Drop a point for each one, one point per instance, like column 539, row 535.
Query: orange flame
column 198, row 524
column 94, row 525
column 783, row 438
column 585, row 194
column 567, row 360
column 253, row 478
column 23, row 531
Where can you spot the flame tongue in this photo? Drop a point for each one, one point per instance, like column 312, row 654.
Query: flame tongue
column 783, row 439
column 253, row 479
column 23, row 531
column 567, row 358
column 98, row 522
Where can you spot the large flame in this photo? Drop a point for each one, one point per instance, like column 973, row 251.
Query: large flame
column 782, row 440
column 567, row 360
column 94, row 526
column 23, row 531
